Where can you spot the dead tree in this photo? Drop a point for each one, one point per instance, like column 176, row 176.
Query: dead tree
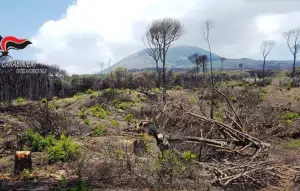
column 153, row 51
column 165, row 31
column 266, row 47
column 195, row 59
column 222, row 61
column 293, row 42
column 208, row 25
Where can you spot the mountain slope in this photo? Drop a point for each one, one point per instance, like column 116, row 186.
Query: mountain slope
column 176, row 58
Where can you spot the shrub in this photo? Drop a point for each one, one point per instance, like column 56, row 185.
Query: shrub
column 234, row 99
column 122, row 106
column 289, row 116
column 116, row 101
column 35, row 142
column 86, row 121
column 94, row 94
column 78, row 96
column 64, row 150
column 188, row 156
column 52, row 106
column 20, row 101
column 54, row 98
column 44, row 100
column 99, row 131
column 129, row 117
column 27, row 174
column 81, row 113
column 98, row 111
column 114, row 123
column 89, row 91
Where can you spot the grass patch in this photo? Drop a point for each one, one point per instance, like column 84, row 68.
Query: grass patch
column 293, row 144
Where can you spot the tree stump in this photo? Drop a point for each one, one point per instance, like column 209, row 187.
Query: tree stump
column 22, row 161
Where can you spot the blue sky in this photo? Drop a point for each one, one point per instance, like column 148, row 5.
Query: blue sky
column 23, row 18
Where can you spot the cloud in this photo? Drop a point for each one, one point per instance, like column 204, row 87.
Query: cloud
column 95, row 30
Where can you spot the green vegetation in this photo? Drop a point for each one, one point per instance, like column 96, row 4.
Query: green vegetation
column 89, row 91
column 98, row 111
column 20, row 118
column 27, row 174
column 114, row 123
column 80, row 186
column 99, row 131
column 192, row 100
column 78, row 96
column 294, row 144
column 81, row 113
column 64, row 150
column 86, row 121
column 234, row 99
column 122, row 106
column 289, row 116
column 189, row 156
column 129, row 117
column 20, row 101
column 54, row 98
column 35, row 142
column 44, row 100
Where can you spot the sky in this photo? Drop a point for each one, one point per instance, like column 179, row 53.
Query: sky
column 78, row 35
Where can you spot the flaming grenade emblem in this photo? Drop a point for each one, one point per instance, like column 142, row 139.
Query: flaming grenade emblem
column 10, row 42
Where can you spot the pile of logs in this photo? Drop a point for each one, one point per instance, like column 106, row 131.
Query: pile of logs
column 225, row 149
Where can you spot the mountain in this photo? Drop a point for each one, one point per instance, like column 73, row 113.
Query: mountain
column 177, row 57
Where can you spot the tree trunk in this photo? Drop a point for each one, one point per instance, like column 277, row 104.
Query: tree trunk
column 264, row 65
column 212, row 86
column 294, row 68
column 22, row 161
column 159, row 75
column 164, row 75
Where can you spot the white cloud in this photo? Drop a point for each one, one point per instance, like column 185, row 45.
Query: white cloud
column 95, row 30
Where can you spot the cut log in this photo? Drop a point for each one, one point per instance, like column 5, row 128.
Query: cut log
column 22, row 161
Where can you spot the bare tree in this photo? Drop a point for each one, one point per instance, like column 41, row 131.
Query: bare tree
column 195, row 59
column 208, row 25
column 266, row 48
column 101, row 66
column 165, row 31
column 241, row 69
column 293, row 41
column 203, row 61
column 222, row 61
column 153, row 50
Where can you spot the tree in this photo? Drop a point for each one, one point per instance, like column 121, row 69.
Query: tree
column 195, row 59
column 241, row 68
column 101, row 66
column 153, row 50
column 293, row 42
column 203, row 60
column 164, row 32
column 266, row 47
column 208, row 25
column 222, row 61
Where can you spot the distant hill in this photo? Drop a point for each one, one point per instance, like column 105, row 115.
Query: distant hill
column 177, row 57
